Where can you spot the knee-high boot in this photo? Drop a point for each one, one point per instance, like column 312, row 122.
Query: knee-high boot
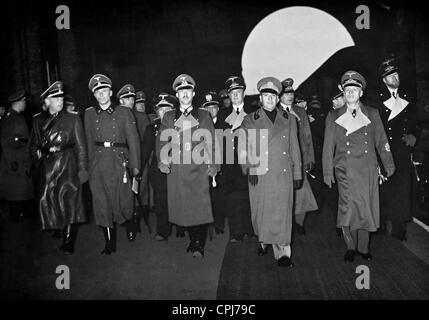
column 69, row 238
column 110, row 238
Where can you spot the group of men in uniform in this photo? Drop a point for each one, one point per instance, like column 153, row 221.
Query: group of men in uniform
column 120, row 151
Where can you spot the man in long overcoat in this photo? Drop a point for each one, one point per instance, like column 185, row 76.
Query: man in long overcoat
column 271, row 135
column 189, row 203
column 398, row 113
column 60, row 146
column 16, row 186
column 114, row 160
column 304, row 198
column 354, row 134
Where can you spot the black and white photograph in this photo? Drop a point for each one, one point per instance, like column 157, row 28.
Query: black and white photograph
column 214, row 154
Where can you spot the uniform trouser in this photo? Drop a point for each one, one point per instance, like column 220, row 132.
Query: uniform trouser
column 281, row 251
column 356, row 239
column 216, row 195
column 238, row 213
column 198, row 234
column 163, row 226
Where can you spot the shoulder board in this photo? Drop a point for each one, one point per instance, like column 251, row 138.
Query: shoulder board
column 35, row 115
column 89, row 108
column 73, row 112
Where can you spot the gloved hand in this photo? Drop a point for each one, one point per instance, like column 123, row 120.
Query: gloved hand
column 390, row 172
column 136, row 173
column 297, row 184
column 164, row 168
column 211, row 171
column 329, row 180
column 309, row 166
column 253, row 179
column 83, row 176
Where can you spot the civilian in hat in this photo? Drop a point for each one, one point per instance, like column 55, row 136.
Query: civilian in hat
column 226, row 101
column 114, row 160
column 189, row 203
column 398, row 111
column 16, row 186
column 158, row 180
column 60, row 145
column 217, row 191
column 236, row 186
column 278, row 171
column 304, row 197
column 354, row 135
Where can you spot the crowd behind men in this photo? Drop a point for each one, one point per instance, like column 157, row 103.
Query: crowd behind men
column 314, row 160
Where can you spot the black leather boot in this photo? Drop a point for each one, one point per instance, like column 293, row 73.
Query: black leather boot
column 70, row 233
column 192, row 239
column 110, row 238
column 131, row 229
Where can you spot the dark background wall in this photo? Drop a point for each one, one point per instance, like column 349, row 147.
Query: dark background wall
column 148, row 43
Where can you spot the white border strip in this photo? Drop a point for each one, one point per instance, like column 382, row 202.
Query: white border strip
column 421, row 224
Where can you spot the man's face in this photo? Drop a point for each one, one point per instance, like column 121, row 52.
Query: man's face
column 338, row 102
column 213, row 109
column 160, row 111
column 287, row 98
column 127, row 102
column 392, row 80
column 185, row 96
column 141, row 106
column 352, row 94
column 70, row 107
column 54, row 104
column 2, row 111
column 236, row 96
column 269, row 100
column 227, row 102
column 103, row 96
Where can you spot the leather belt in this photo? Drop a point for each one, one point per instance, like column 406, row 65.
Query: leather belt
column 110, row 144
column 56, row 149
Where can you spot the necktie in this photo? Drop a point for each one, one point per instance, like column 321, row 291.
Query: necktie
column 393, row 94
column 354, row 113
column 237, row 111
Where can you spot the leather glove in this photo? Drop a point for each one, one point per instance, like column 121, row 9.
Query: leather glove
column 409, row 139
column 83, row 176
column 253, row 179
column 297, row 184
column 164, row 168
column 309, row 166
column 390, row 172
column 211, row 171
column 136, row 173
column 329, row 180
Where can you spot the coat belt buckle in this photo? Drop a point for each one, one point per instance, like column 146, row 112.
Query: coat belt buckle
column 107, row 144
